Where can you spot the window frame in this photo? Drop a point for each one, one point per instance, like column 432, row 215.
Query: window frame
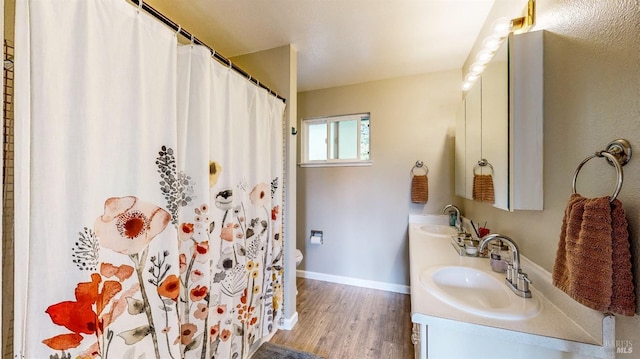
column 329, row 162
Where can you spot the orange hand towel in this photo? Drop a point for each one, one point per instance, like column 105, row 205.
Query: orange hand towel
column 419, row 189
column 593, row 261
column 483, row 188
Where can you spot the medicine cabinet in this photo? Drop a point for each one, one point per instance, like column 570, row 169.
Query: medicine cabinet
column 499, row 128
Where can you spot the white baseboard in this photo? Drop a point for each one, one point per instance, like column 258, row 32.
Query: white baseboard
column 389, row 287
column 289, row 323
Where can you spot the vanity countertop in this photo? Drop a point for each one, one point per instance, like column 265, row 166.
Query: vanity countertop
column 552, row 327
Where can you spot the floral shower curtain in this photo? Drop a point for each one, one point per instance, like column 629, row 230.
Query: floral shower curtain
column 149, row 183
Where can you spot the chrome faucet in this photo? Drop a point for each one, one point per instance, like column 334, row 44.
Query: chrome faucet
column 458, row 223
column 516, row 279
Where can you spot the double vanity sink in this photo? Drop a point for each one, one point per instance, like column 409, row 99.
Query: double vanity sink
column 436, row 230
column 477, row 292
column 461, row 308
column 473, row 290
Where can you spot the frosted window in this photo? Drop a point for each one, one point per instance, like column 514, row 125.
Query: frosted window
column 317, row 141
column 336, row 140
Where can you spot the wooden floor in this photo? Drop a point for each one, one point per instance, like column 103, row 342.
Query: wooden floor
column 347, row 322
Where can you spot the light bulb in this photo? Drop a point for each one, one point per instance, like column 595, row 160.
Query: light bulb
column 477, row 68
column 492, row 43
column 484, row 56
column 501, row 27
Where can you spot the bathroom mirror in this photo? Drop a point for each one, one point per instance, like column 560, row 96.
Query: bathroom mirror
column 473, row 129
column 495, row 127
column 499, row 133
column 482, row 136
column 460, row 148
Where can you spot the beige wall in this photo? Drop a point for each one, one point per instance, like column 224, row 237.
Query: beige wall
column 363, row 211
column 591, row 96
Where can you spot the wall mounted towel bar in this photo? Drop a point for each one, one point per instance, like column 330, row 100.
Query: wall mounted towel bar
column 618, row 153
column 420, row 164
column 481, row 164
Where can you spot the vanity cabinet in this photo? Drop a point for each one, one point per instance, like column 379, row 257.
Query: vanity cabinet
column 454, row 326
column 500, row 121
column 420, row 351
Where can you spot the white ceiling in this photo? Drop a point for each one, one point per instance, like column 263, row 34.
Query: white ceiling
column 339, row 42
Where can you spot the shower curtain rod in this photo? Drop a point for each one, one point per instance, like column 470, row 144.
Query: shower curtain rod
column 165, row 20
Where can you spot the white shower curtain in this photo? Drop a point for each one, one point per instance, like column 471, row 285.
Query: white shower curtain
column 149, row 190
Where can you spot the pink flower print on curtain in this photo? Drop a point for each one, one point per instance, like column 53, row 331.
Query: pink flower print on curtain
column 259, row 195
column 128, row 225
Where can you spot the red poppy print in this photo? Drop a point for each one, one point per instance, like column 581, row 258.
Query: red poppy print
column 185, row 231
column 170, row 287
column 201, row 252
column 213, row 332
column 198, row 293
column 79, row 316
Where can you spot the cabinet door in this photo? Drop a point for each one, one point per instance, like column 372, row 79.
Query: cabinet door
column 526, row 68
column 495, row 125
column 502, row 122
column 473, row 134
column 460, row 149
column 419, row 340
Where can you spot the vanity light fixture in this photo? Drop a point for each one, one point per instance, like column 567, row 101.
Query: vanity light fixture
column 500, row 29
column 524, row 23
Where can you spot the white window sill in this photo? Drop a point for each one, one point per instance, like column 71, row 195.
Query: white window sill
column 337, row 164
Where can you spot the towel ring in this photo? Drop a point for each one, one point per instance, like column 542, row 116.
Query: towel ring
column 420, row 164
column 617, row 154
column 482, row 163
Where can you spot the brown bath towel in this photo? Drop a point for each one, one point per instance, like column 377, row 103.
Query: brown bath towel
column 593, row 261
column 483, row 188
column 419, row 189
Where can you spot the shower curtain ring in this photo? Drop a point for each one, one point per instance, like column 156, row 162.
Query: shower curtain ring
column 179, row 29
column 140, row 3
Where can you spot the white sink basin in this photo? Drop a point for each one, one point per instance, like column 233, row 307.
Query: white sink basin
column 438, row 230
column 477, row 292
